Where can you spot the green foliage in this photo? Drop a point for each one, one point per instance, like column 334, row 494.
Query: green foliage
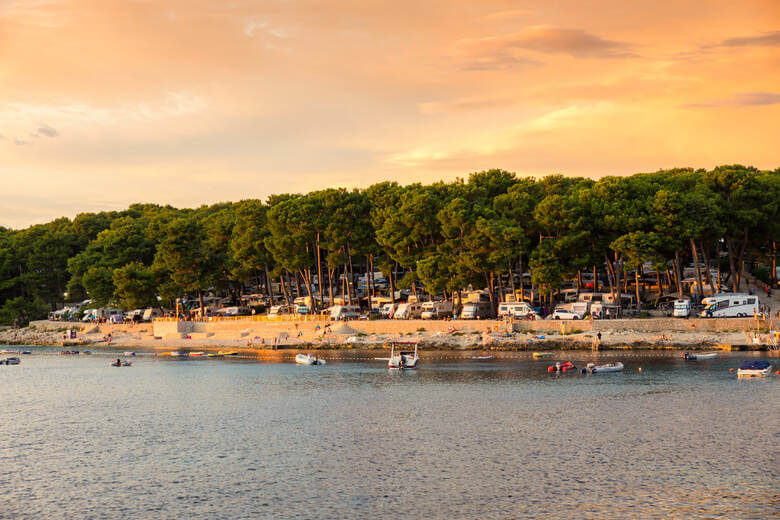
column 20, row 311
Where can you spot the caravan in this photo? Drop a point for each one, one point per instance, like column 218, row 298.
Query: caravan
column 436, row 310
column 517, row 310
column 408, row 311
column 729, row 305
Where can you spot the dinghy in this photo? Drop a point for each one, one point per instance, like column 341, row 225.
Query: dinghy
column 688, row 356
column 543, row 355
column 603, row 369
column 10, row 361
column 481, row 358
column 121, row 364
column 308, row 359
column 564, row 367
column 758, row 368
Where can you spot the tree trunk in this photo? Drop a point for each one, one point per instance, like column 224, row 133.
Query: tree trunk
column 351, row 280
column 392, row 286
column 741, row 260
column 522, row 280
column 269, row 286
column 660, row 286
column 297, row 285
column 620, row 274
column 636, row 280
column 284, row 289
column 414, row 286
column 774, row 262
column 677, row 278
column 732, row 268
column 610, row 276
column 368, row 281
column 200, row 302
column 595, row 279
column 330, row 286
column 512, row 280
column 699, row 288
column 319, row 273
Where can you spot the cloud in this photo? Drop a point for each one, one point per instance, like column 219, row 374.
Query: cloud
column 770, row 39
column 253, row 26
column 742, row 99
column 512, row 13
column 504, row 50
column 48, row 131
column 464, row 104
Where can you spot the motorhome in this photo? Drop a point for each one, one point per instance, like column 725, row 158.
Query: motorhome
column 408, row 311
column 516, row 310
column 388, row 310
column 279, row 310
column 344, row 312
column 729, row 305
column 476, row 310
column 436, row 310
column 106, row 314
column 682, row 308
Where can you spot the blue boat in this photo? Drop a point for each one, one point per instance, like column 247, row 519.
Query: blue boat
column 758, row 368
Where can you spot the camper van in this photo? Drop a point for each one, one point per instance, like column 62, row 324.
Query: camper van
column 408, row 311
column 436, row 310
column 516, row 310
column 388, row 310
column 108, row 313
column 344, row 312
column 279, row 310
column 729, row 305
column 476, row 310
column 682, row 308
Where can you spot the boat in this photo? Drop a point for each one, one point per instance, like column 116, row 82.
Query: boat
column 602, row 369
column 215, row 354
column 689, row 356
column 564, row 367
column 7, row 352
column 121, row 364
column 404, row 360
column 759, row 368
column 129, row 353
column 228, row 353
column 197, row 354
column 85, row 353
column 10, row 361
column 481, row 358
column 543, row 355
column 69, row 352
column 308, row 359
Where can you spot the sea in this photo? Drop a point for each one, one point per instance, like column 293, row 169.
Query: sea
column 460, row 438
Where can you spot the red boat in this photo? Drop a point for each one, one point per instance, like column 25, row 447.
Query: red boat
column 561, row 367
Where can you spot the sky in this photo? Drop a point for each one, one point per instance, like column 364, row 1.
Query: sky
column 104, row 103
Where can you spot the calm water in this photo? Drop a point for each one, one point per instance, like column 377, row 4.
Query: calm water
column 240, row 439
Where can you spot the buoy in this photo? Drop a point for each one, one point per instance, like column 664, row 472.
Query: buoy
column 640, row 369
column 731, row 369
column 778, row 372
column 551, row 369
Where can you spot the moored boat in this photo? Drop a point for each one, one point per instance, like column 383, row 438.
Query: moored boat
column 228, row 352
column 602, row 369
column 69, row 352
column 543, row 355
column 121, row 363
column 481, row 358
column 689, row 356
column 564, row 367
column 197, row 354
column 758, row 368
column 10, row 361
column 129, row 353
column 309, row 359
column 215, row 355
column 85, row 353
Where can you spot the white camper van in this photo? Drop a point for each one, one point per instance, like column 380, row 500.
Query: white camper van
column 682, row 308
column 726, row 305
column 436, row 310
column 344, row 312
column 408, row 311
column 516, row 310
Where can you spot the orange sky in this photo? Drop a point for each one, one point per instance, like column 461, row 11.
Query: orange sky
column 104, row 103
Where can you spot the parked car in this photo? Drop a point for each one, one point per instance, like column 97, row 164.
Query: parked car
column 565, row 314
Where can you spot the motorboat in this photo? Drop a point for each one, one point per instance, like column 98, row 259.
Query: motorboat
column 603, row 369
column 10, row 361
column 15, row 352
column 215, row 355
column 689, row 356
column 543, row 355
column 564, row 367
column 481, row 358
column 309, row 359
column 85, row 353
column 758, row 368
column 129, row 354
column 121, row 363
column 404, row 360
column 228, row 352
column 197, row 354
column 69, row 352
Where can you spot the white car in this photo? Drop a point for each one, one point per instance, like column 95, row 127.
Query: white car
column 564, row 314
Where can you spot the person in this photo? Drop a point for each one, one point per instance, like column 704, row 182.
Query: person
column 118, row 361
column 599, row 336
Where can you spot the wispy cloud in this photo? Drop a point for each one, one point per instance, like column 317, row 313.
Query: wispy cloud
column 770, row 39
column 253, row 27
column 742, row 99
column 543, row 39
column 47, row 131
column 465, row 104
column 508, row 14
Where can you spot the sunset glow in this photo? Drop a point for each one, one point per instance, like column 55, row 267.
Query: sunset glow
column 106, row 103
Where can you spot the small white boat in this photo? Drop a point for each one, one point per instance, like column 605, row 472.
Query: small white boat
column 122, row 364
column 481, row 358
column 404, row 360
column 308, row 359
column 129, row 353
column 758, row 368
column 601, row 369
column 697, row 357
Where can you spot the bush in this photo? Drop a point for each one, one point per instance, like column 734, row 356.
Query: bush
column 763, row 273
